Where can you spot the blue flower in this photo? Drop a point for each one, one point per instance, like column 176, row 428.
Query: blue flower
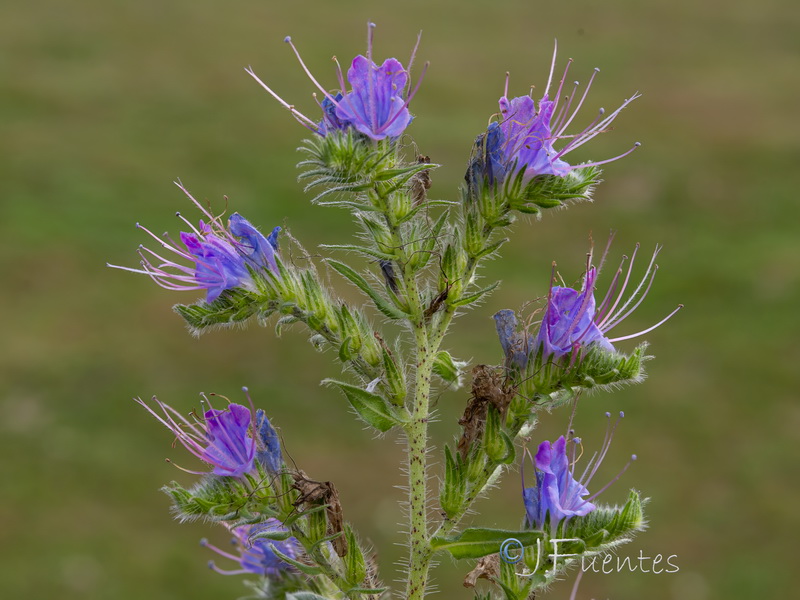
column 222, row 438
column 220, row 257
column 528, row 131
column 255, row 554
column 569, row 320
column 557, row 494
column 376, row 104
column 572, row 320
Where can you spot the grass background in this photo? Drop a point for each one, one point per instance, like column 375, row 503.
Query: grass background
column 104, row 104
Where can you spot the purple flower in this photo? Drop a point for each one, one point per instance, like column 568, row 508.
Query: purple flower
column 220, row 257
column 222, row 438
column 557, row 494
column 255, row 554
column 573, row 321
column 376, row 103
column 529, row 130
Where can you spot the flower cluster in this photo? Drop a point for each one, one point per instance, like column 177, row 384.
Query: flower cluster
column 522, row 142
column 257, row 554
column 376, row 103
column 223, row 257
column 573, row 321
column 229, row 440
column 557, row 494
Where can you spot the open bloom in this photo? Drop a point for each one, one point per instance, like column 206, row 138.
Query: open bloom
column 221, row 438
column 375, row 103
column 572, row 320
column 255, row 554
column 557, row 494
column 220, row 258
column 523, row 141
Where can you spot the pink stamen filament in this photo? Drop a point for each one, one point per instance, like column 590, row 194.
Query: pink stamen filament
column 624, row 285
column 301, row 118
column 588, row 134
column 216, row 569
column 563, row 127
column 608, row 160
column 608, row 485
column 649, row 329
column 612, row 321
column 212, row 219
column 205, row 544
column 611, row 290
column 554, row 123
column 288, row 40
column 604, row 450
column 552, row 67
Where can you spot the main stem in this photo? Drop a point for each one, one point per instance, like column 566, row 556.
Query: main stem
column 417, row 436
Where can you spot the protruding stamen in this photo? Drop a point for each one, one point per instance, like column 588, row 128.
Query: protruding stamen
column 552, row 67
column 608, row 160
column 649, row 329
column 620, row 316
column 620, row 474
column 622, row 289
column 288, row 40
column 301, row 118
column 563, row 128
column 370, row 35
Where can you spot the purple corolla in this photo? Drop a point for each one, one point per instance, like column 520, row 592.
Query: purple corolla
column 557, row 494
column 222, row 438
column 527, row 132
column 220, row 258
column 255, row 554
column 374, row 100
column 572, row 320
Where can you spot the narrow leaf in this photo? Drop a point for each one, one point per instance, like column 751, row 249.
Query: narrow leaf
column 479, row 542
column 370, row 407
column 380, row 302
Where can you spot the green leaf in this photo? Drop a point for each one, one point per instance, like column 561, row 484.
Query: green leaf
column 448, row 369
column 271, row 534
column 303, row 568
column 479, row 542
column 476, row 296
column 305, row 596
column 372, row 408
column 355, row 565
column 360, row 249
column 380, row 302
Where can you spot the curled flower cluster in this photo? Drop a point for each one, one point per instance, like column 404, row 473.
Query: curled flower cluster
column 375, row 104
column 222, row 257
column 557, row 494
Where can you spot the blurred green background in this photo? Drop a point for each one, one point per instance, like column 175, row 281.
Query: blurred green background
column 105, row 103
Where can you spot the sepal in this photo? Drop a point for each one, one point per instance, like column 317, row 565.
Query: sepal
column 551, row 191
